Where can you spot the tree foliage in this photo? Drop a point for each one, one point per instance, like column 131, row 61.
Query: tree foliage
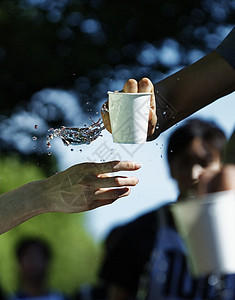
column 76, row 44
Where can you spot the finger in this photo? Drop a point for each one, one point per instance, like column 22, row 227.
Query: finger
column 152, row 121
column 101, row 202
column 109, row 167
column 105, row 116
column 117, row 181
column 98, row 203
column 131, row 86
column 145, row 85
column 111, row 194
column 115, row 166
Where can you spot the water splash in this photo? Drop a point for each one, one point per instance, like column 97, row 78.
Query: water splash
column 76, row 136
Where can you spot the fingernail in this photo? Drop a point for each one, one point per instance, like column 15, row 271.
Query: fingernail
column 138, row 165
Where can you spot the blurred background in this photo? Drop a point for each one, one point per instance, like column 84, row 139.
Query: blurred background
column 58, row 59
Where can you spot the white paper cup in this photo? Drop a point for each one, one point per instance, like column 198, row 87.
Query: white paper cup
column 207, row 226
column 129, row 114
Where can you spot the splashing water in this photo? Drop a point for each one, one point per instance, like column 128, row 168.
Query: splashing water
column 76, row 136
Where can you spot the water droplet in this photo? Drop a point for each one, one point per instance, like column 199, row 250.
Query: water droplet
column 164, row 113
column 171, row 151
column 161, row 155
column 35, row 127
column 178, row 78
column 49, row 153
column 34, row 147
column 34, row 138
column 71, row 150
column 80, row 150
column 156, row 144
column 77, row 136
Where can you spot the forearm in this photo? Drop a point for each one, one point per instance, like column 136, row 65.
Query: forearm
column 21, row 204
column 192, row 88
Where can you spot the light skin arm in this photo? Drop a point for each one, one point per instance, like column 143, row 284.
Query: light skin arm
column 80, row 188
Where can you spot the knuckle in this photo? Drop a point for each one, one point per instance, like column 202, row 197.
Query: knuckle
column 130, row 165
column 117, row 181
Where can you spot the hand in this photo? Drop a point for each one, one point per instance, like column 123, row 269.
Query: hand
column 132, row 86
column 88, row 185
column 217, row 181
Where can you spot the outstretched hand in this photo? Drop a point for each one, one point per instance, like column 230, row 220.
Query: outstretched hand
column 133, row 86
column 86, row 186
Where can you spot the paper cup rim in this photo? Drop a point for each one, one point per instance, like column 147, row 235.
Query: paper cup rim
column 134, row 94
column 210, row 198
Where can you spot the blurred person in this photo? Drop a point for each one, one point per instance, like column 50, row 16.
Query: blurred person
column 146, row 258
column 34, row 257
column 91, row 292
column 79, row 188
column 186, row 91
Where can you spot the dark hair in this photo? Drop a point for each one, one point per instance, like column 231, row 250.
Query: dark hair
column 183, row 136
column 26, row 243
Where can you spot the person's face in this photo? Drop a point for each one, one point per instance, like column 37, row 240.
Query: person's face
column 33, row 263
column 192, row 161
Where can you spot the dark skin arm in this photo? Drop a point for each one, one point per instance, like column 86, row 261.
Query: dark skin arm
column 183, row 93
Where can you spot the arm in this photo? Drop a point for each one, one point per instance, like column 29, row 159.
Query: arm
column 80, row 188
column 191, row 89
column 196, row 86
column 185, row 92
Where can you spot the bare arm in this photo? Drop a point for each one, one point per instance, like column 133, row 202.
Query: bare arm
column 185, row 92
column 20, row 205
column 191, row 89
column 80, row 188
